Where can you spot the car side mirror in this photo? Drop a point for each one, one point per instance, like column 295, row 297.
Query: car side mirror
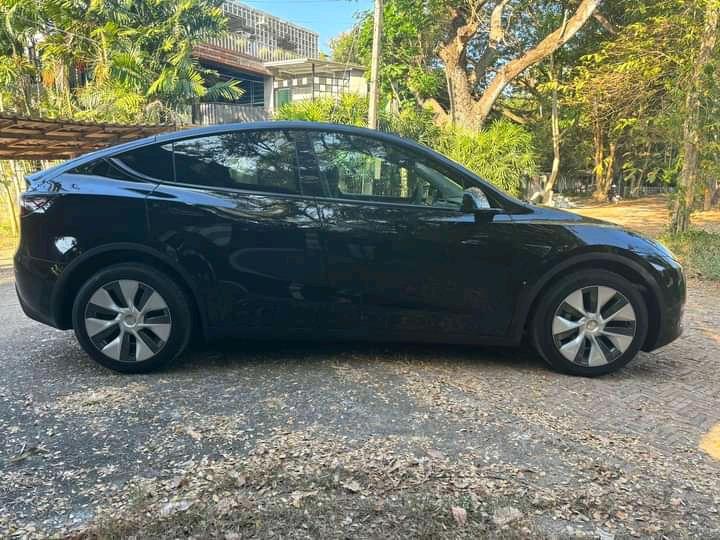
column 474, row 199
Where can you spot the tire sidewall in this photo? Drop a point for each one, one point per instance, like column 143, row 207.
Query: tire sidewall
column 165, row 286
column 542, row 324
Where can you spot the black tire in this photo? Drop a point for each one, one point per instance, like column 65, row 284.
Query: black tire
column 176, row 314
column 542, row 324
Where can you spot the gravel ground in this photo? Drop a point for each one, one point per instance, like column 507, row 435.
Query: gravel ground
column 350, row 440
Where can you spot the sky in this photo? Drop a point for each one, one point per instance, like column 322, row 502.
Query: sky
column 326, row 17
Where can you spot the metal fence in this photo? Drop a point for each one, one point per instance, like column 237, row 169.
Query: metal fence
column 260, row 35
column 225, row 113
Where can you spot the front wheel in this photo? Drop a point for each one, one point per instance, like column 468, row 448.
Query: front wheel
column 591, row 323
column 131, row 318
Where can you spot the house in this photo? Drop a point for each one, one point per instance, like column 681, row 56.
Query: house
column 275, row 61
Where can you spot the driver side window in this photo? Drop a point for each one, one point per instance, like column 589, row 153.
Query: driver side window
column 365, row 169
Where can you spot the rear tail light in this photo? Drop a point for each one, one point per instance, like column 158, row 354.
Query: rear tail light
column 33, row 204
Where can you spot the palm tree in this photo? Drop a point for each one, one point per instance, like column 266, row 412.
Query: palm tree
column 111, row 60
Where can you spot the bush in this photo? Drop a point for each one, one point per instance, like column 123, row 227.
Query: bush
column 350, row 109
column 503, row 153
column 412, row 123
column 699, row 251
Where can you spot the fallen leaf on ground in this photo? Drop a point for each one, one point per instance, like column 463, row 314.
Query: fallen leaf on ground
column 353, row 486
column 174, row 507
column 506, row 515
column 460, row 515
column 32, row 451
column 296, row 497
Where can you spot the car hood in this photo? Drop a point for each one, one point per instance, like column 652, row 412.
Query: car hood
column 545, row 214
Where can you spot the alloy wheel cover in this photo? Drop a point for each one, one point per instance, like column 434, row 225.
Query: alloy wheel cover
column 128, row 321
column 594, row 326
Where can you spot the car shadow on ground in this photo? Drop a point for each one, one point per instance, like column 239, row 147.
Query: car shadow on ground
column 233, row 353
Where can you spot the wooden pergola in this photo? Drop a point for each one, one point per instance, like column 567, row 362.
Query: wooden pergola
column 56, row 139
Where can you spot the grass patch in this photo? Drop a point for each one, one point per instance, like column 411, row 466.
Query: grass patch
column 8, row 240
column 699, row 251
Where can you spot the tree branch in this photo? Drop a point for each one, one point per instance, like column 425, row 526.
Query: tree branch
column 605, row 23
column 542, row 50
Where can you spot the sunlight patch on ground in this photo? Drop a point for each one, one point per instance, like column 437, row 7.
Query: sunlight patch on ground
column 710, row 443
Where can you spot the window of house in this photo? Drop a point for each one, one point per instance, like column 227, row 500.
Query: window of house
column 253, row 160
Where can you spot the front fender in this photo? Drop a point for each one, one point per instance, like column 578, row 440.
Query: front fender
column 615, row 259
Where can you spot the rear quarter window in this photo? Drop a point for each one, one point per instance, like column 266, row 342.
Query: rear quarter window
column 102, row 168
column 153, row 162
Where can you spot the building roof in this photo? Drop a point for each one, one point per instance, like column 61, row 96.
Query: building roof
column 42, row 138
column 225, row 57
column 303, row 66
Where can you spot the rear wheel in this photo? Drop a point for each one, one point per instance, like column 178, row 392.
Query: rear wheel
column 132, row 318
column 592, row 323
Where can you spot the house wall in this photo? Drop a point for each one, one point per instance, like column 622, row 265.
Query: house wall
column 326, row 84
column 269, row 96
column 358, row 82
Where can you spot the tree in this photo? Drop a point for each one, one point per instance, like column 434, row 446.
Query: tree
column 457, row 58
column 112, row 60
column 693, row 125
column 626, row 93
column 465, row 24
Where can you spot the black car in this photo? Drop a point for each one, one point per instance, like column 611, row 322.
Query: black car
column 321, row 231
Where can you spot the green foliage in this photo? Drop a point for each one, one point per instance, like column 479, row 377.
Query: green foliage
column 630, row 89
column 503, row 153
column 698, row 250
column 412, row 123
column 115, row 60
column 411, row 29
column 349, row 109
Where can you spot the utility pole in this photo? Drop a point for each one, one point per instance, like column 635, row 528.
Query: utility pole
column 375, row 67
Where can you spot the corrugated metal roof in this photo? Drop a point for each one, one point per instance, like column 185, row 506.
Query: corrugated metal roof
column 44, row 138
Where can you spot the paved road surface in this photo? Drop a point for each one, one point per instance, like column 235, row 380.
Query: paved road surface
column 618, row 454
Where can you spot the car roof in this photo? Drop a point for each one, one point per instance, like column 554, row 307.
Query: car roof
column 224, row 128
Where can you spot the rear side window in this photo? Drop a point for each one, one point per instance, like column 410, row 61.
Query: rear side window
column 256, row 160
column 152, row 162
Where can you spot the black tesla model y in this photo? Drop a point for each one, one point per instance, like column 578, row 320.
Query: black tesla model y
column 320, row 231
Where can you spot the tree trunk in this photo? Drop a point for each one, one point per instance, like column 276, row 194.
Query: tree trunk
column 555, row 124
column 605, row 174
column 462, row 100
column 692, row 128
column 711, row 189
column 599, row 160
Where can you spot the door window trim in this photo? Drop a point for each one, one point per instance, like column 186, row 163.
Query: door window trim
column 274, row 194
column 393, row 204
